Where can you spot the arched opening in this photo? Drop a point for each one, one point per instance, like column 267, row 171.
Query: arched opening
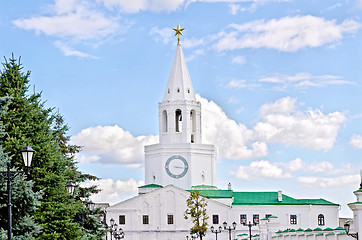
column 192, row 125
column 164, row 121
column 178, row 120
column 321, row 220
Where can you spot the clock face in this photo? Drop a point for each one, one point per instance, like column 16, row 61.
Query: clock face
column 176, row 166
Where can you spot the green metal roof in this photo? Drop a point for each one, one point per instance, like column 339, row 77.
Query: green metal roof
column 151, row 186
column 204, row 186
column 261, row 198
column 216, row 193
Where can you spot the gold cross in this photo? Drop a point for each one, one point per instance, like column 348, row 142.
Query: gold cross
column 178, row 31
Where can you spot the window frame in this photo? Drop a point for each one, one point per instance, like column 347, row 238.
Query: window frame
column 293, row 219
column 145, row 219
column 122, row 219
column 256, row 218
column 215, row 219
column 170, row 219
column 321, row 220
column 242, row 219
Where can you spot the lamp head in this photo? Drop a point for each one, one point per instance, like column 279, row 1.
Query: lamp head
column 70, row 188
column 346, row 227
column 234, row 225
column 27, row 154
column 225, row 225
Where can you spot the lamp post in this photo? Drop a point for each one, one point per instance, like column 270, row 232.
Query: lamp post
column 230, row 228
column 27, row 155
column 116, row 233
column 216, row 231
column 249, row 225
column 346, row 227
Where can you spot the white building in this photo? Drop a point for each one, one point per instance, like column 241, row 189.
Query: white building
column 180, row 162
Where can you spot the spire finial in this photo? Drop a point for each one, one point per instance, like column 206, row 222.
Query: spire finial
column 360, row 173
column 178, row 32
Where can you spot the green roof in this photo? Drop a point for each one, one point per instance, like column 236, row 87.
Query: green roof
column 328, row 229
column 216, row 193
column 151, row 186
column 317, row 229
column 300, row 230
column 339, row 228
column 308, row 230
column 258, row 198
column 292, row 230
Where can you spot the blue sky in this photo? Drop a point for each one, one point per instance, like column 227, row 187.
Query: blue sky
column 279, row 82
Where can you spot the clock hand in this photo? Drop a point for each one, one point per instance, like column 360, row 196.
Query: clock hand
column 178, row 167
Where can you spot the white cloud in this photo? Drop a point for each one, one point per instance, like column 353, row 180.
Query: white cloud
column 240, row 83
column 235, row 8
column 304, row 80
column 259, row 170
column 356, row 141
column 282, row 123
column 76, row 20
column 239, row 60
column 135, row 6
column 285, row 34
column 113, row 191
column 233, row 140
column 111, row 144
column 164, row 35
column 323, row 166
column 69, row 51
column 295, row 165
column 319, row 182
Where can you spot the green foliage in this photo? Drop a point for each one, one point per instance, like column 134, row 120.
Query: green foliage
column 196, row 211
column 27, row 120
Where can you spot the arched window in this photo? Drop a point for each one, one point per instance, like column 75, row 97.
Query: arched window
column 178, row 120
column 164, row 121
column 321, row 220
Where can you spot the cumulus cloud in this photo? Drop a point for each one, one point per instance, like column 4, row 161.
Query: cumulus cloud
column 114, row 191
column 260, row 169
column 356, row 141
column 285, row 34
column 240, row 83
column 280, row 122
column 233, row 140
column 110, row 145
column 304, row 80
column 320, row 182
column 70, row 19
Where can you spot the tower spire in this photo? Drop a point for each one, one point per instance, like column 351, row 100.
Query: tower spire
column 179, row 85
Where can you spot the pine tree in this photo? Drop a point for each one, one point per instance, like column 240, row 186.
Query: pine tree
column 196, row 211
column 27, row 120
column 24, row 200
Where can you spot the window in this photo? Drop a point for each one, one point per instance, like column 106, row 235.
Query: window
column 164, row 121
column 256, row 218
column 267, row 215
column 242, row 218
column 293, row 219
column 321, row 220
column 122, row 219
column 178, row 120
column 169, row 219
column 145, row 219
column 215, row 219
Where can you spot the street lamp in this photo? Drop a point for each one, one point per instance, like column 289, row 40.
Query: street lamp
column 116, row 233
column 216, row 231
column 249, row 225
column 346, row 227
column 27, row 155
column 230, row 228
column 70, row 188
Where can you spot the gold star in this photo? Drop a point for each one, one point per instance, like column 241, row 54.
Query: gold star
column 178, row 31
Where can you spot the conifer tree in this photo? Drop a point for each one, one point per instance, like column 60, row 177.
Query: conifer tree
column 196, row 211
column 24, row 200
column 27, row 120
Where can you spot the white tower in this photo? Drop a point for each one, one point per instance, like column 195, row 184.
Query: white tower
column 180, row 158
column 356, row 207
